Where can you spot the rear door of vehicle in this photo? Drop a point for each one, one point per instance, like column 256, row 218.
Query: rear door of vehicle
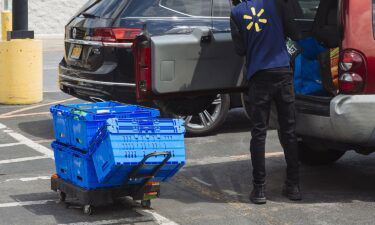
column 202, row 60
column 305, row 11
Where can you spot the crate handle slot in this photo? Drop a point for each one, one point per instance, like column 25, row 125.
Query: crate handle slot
column 79, row 141
column 80, row 178
column 105, row 165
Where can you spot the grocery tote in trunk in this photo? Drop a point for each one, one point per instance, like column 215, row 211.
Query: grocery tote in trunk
column 127, row 152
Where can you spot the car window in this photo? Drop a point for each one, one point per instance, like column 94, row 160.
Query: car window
column 105, row 8
column 308, row 8
column 221, row 8
column 188, row 7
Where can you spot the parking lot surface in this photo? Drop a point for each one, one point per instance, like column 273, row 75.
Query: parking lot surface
column 212, row 189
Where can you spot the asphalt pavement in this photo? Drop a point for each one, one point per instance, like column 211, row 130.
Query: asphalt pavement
column 212, row 189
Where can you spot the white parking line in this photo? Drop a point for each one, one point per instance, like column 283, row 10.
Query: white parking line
column 26, row 179
column 35, row 107
column 224, row 159
column 159, row 219
column 2, row 126
column 7, row 161
column 201, row 181
column 10, row 145
column 16, row 204
column 37, row 147
column 117, row 221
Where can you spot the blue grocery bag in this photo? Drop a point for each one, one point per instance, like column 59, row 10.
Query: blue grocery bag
column 307, row 79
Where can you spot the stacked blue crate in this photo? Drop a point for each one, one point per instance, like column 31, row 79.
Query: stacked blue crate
column 77, row 124
column 76, row 167
column 121, row 145
column 74, row 127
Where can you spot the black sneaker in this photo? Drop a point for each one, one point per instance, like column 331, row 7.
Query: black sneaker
column 292, row 191
column 257, row 196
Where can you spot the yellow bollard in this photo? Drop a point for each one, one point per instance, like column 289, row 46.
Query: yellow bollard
column 21, row 71
column 6, row 23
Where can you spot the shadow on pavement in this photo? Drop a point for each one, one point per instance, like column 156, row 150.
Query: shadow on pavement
column 39, row 128
column 121, row 211
column 230, row 182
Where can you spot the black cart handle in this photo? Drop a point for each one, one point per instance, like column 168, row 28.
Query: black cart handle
column 167, row 155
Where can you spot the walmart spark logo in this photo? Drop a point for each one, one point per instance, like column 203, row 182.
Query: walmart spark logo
column 255, row 19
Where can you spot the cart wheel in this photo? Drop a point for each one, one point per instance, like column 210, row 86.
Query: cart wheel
column 87, row 209
column 62, row 196
column 146, row 204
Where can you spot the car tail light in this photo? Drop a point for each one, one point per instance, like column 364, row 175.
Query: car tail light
column 353, row 72
column 116, row 37
column 142, row 61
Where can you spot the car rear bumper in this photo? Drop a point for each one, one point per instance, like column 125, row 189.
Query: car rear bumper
column 74, row 83
column 351, row 120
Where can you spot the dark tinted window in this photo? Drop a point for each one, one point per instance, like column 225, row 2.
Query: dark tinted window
column 105, row 8
column 221, row 8
column 188, row 7
column 308, row 8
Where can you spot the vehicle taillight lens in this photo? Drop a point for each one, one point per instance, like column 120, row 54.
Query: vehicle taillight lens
column 350, row 60
column 350, row 83
column 353, row 72
column 115, row 35
column 143, row 79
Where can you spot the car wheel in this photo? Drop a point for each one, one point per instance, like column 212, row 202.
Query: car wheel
column 312, row 156
column 209, row 119
column 185, row 106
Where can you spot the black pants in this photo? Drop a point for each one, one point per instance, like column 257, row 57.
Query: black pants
column 264, row 88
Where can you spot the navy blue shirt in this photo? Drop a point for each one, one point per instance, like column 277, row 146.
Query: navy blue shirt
column 263, row 36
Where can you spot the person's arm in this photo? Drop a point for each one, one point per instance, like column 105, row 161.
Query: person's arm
column 237, row 37
column 288, row 15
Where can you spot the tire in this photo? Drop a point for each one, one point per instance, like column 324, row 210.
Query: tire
column 146, row 204
column 185, row 106
column 87, row 210
column 62, row 196
column 209, row 119
column 315, row 157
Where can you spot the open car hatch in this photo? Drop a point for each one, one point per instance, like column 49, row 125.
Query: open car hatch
column 200, row 62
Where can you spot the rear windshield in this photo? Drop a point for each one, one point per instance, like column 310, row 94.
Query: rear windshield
column 105, row 8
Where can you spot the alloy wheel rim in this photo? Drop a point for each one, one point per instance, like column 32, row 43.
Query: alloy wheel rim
column 205, row 118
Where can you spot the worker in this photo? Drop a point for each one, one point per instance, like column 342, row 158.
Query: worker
column 259, row 32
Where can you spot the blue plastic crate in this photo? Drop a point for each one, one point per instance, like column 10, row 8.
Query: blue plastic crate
column 121, row 145
column 77, row 168
column 62, row 161
column 77, row 124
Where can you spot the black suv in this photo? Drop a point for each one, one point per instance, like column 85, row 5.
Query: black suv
column 177, row 54
column 99, row 53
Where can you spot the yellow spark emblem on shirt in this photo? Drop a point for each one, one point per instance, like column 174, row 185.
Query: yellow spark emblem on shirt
column 255, row 19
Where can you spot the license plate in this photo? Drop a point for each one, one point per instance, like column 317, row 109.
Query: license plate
column 76, row 52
